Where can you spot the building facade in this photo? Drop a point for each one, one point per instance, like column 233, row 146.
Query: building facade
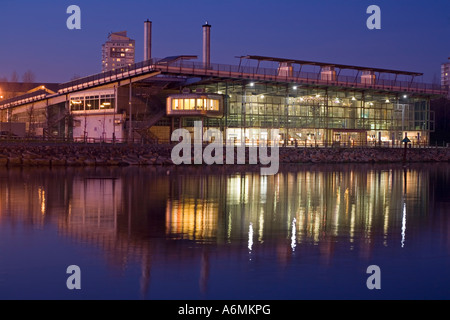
column 118, row 51
column 285, row 104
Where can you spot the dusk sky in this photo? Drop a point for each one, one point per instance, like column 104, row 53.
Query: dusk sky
column 414, row 35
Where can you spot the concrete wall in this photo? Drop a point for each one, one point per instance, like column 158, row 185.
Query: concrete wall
column 98, row 127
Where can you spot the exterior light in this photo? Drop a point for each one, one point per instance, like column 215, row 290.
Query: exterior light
column 252, row 84
column 262, row 96
column 295, row 88
column 353, row 99
column 405, row 96
column 387, row 101
column 301, row 99
column 219, row 92
column 317, row 95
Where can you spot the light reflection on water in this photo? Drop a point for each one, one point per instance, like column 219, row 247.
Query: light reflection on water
column 308, row 232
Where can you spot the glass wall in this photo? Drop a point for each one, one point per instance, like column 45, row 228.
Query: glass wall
column 195, row 104
column 92, row 102
column 322, row 116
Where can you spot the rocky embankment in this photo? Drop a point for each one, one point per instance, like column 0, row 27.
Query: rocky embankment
column 363, row 155
column 83, row 155
column 142, row 155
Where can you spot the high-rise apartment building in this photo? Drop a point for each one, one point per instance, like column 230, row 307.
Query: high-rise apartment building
column 118, row 51
column 445, row 75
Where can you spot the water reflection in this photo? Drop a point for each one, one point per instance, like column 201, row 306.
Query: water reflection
column 150, row 216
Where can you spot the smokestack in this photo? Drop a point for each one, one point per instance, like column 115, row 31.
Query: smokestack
column 206, row 44
column 147, row 40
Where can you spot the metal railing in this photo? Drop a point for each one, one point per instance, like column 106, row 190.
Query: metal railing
column 299, row 77
column 309, row 144
column 255, row 73
column 187, row 68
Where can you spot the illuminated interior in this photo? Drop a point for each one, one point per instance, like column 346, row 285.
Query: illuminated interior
column 92, row 102
column 192, row 104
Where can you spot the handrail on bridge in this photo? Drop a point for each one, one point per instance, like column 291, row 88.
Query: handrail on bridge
column 183, row 66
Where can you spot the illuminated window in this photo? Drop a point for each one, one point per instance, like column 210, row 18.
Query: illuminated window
column 214, row 105
column 200, row 104
column 77, row 103
column 191, row 104
column 107, row 101
column 197, row 103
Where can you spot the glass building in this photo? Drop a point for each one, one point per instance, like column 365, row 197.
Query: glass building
column 315, row 109
column 262, row 99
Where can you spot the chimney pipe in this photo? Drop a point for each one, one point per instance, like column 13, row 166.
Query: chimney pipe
column 147, row 40
column 206, row 44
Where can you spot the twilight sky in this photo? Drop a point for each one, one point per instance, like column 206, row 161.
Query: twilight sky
column 414, row 35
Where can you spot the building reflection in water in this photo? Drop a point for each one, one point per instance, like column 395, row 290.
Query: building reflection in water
column 145, row 215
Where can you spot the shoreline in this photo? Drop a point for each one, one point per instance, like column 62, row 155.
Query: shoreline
column 77, row 155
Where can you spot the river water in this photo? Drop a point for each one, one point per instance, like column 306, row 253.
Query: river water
column 191, row 233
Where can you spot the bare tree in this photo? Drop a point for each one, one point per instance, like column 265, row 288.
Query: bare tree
column 14, row 77
column 31, row 124
column 3, row 79
column 85, row 134
column 29, row 77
